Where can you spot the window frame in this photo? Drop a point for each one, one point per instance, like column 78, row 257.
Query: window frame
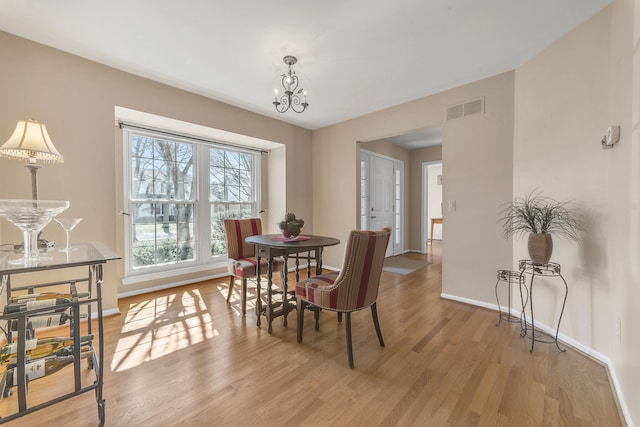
column 202, row 218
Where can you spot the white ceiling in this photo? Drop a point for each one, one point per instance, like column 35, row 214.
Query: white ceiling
column 354, row 56
column 418, row 139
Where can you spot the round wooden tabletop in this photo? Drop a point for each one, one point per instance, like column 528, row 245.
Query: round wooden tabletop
column 275, row 241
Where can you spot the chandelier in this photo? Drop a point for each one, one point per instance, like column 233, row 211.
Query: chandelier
column 293, row 98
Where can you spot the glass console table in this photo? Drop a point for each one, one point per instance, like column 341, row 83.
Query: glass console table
column 24, row 356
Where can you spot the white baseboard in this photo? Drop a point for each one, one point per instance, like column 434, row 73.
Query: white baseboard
column 588, row 351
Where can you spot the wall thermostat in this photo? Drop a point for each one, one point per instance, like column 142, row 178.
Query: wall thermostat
column 611, row 136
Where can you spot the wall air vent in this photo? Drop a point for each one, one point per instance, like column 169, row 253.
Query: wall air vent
column 455, row 112
column 475, row 106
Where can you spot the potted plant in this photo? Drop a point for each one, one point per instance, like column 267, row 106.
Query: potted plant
column 540, row 217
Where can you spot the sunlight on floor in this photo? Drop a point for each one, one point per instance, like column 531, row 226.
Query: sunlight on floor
column 235, row 301
column 160, row 326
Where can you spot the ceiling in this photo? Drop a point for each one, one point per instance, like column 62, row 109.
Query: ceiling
column 354, row 56
column 418, row 139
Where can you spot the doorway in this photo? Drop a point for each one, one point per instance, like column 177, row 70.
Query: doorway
column 431, row 204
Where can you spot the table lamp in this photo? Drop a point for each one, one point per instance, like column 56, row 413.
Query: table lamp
column 31, row 142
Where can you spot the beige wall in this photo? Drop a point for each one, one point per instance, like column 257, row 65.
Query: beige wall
column 565, row 99
column 477, row 159
column 626, row 270
column 75, row 98
column 561, row 114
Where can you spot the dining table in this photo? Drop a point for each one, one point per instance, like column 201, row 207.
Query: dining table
column 270, row 246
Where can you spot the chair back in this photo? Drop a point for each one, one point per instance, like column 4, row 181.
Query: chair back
column 237, row 230
column 359, row 278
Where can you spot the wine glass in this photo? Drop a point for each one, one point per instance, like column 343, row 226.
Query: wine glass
column 67, row 225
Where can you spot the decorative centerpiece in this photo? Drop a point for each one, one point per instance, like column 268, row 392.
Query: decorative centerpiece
column 291, row 226
column 31, row 216
column 540, row 217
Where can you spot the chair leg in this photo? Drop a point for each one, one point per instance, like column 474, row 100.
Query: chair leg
column 349, row 345
column 339, row 316
column 374, row 314
column 316, row 316
column 232, row 281
column 300, row 312
column 244, row 297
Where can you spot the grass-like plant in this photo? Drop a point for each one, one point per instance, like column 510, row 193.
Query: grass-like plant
column 541, row 215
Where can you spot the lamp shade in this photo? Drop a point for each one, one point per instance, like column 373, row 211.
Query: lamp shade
column 31, row 141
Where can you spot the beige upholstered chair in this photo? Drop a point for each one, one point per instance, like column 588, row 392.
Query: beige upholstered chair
column 242, row 261
column 354, row 288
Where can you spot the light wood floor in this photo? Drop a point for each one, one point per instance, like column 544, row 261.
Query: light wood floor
column 184, row 357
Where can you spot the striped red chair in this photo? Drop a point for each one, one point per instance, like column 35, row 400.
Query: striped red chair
column 242, row 261
column 354, row 288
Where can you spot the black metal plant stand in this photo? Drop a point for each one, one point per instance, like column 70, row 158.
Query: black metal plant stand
column 550, row 269
column 510, row 278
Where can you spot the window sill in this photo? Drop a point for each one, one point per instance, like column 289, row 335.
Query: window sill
column 172, row 273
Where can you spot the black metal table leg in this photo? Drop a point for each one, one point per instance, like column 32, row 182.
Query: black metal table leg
column 550, row 269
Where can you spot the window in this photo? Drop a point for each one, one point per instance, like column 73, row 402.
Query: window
column 179, row 191
column 232, row 191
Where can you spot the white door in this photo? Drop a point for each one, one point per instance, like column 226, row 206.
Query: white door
column 381, row 203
